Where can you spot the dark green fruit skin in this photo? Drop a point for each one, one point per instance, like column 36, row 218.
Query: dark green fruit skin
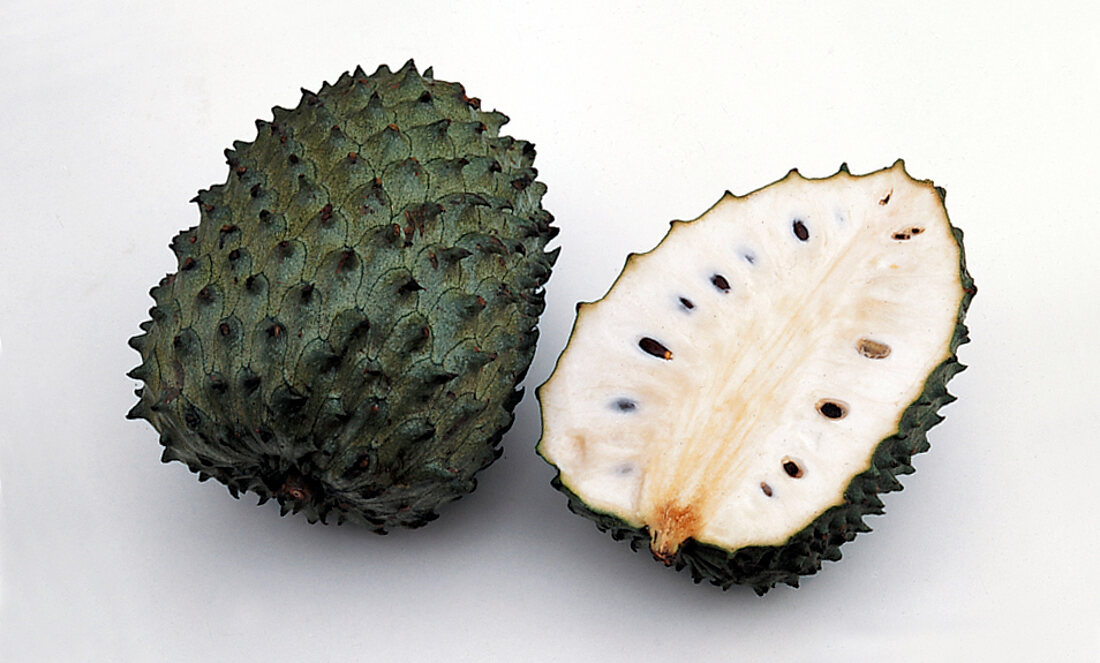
column 763, row 567
column 351, row 317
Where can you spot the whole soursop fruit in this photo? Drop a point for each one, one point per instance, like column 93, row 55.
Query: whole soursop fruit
column 351, row 317
column 743, row 392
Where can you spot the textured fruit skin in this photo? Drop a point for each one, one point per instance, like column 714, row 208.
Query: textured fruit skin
column 763, row 567
column 351, row 317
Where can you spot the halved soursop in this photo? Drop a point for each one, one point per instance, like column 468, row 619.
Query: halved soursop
column 351, row 317
column 744, row 391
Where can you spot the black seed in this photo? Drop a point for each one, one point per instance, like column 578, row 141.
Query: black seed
column 766, row 488
column 832, row 410
column 626, row 405
column 425, row 97
column 791, row 468
column 686, row 303
column 800, row 230
column 234, row 255
column 654, row 348
column 720, row 282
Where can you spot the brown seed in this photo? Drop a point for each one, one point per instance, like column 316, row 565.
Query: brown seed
column 800, row 230
column 655, row 348
column 873, row 349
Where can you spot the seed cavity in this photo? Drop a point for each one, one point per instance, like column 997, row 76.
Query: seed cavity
column 886, row 199
column 800, row 230
column 720, row 282
column 625, row 469
column 749, row 257
column 873, row 349
column 832, row 409
column 902, row 235
column 766, row 488
column 625, row 405
column 655, row 348
column 792, row 468
column 686, row 303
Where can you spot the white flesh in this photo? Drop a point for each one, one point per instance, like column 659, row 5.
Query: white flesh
column 715, row 424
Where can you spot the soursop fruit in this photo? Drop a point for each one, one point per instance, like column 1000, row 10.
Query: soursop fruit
column 353, row 313
column 743, row 392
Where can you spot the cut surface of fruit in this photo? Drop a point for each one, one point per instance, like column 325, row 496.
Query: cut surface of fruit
column 736, row 380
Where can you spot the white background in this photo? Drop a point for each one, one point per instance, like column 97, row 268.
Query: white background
column 113, row 115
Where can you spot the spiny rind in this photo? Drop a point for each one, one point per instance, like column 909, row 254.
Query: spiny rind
column 334, row 338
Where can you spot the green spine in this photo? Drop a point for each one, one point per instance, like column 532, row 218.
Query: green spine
column 351, row 317
column 763, row 567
